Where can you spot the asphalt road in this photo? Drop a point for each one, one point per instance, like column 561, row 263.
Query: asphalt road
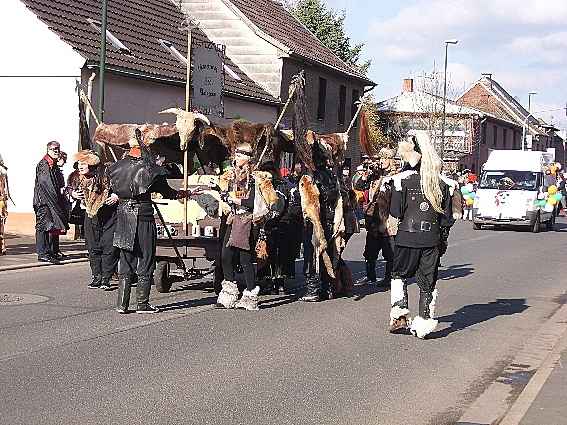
column 72, row 359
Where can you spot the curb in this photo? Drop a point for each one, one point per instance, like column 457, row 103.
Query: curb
column 36, row 264
column 508, row 395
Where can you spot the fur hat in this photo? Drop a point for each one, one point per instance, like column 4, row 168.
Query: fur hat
column 88, row 157
column 406, row 151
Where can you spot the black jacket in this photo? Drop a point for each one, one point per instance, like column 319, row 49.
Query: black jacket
column 49, row 203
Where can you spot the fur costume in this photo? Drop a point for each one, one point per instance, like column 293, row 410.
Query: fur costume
column 240, row 132
column 95, row 193
column 264, row 181
column 334, row 143
column 312, row 212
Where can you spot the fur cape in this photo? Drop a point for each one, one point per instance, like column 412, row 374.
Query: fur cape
column 95, row 195
column 312, row 211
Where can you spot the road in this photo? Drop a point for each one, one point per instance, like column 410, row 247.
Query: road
column 72, row 359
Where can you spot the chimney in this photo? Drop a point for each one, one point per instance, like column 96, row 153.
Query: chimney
column 407, row 85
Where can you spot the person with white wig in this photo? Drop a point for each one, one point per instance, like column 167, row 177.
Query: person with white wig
column 421, row 202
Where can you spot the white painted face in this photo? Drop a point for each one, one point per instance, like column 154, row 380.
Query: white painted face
column 83, row 168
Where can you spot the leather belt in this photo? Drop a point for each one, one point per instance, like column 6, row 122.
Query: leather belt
column 417, row 226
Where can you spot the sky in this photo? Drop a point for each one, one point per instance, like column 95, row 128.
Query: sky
column 523, row 43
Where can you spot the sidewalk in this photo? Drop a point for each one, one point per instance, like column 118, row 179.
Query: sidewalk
column 21, row 252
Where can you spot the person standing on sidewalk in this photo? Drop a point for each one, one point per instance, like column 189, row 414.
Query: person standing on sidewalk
column 133, row 179
column 100, row 217
column 50, row 206
column 4, row 196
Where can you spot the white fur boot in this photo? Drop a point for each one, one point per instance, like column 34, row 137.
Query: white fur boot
column 421, row 327
column 229, row 294
column 397, row 294
column 249, row 300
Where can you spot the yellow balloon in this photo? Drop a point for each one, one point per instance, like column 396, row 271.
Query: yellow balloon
column 470, row 202
column 552, row 190
column 552, row 201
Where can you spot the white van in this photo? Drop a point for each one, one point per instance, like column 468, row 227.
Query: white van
column 509, row 186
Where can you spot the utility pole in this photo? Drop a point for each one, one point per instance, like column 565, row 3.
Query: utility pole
column 447, row 42
column 102, row 65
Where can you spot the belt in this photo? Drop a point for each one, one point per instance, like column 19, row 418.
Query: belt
column 417, row 226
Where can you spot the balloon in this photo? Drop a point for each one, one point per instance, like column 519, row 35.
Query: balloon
column 548, row 208
column 558, row 196
column 558, row 165
column 470, row 202
column 464, row 190
column 552, row 201
column 472, row 195
column 552, row 190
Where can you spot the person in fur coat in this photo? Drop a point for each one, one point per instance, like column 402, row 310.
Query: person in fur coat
column 100, row 218
column 421, row 202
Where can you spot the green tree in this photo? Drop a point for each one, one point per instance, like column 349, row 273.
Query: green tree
column 328, row 26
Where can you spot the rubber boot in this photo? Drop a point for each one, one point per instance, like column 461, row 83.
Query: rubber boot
column 143, row 296
column 124, row 288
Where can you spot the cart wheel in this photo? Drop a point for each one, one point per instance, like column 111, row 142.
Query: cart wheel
column 161, row 277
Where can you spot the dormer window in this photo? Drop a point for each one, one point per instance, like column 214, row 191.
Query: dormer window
column 167, row 45
column 110, row 37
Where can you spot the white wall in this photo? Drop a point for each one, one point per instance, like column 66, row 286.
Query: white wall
column 34, row 110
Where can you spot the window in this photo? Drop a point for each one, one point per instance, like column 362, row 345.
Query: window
column 322, row 98
column 342, row 104
column 504, row 134
column 354, row 105
column 483, row 134
column 110, row 37
column 494, row 136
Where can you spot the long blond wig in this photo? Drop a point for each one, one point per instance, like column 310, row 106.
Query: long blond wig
column 429, row 172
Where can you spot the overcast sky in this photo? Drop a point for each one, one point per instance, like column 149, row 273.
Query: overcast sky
column 523, row 43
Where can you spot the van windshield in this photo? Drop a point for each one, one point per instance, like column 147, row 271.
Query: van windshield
column 509, row 180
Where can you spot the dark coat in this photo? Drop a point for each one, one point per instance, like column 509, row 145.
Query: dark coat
column 50, row 205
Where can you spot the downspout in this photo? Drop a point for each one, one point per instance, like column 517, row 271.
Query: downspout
column 482, row 136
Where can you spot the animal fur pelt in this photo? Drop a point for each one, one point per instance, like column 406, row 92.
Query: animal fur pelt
column 364, row 136
column 300, row 122
column 334, row 143
column 239, row 132
column 312, row 211
column 95, row 193
column 264, row 181
column 125, row 134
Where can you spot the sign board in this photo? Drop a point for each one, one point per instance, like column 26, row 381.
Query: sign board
column 207, row 78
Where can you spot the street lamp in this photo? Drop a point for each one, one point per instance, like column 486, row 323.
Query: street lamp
column 530, row 94
column 447, row 42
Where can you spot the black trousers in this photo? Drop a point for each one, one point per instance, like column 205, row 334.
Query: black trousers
column 228, row 257
column 423, row 264
column 46, row 243
column 373, row 247
column 142, row 259
column 99, row 233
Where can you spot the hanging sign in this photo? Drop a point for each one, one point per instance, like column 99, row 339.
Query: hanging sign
column 207, row 78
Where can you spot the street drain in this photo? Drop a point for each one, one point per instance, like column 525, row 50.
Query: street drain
column 21, row 299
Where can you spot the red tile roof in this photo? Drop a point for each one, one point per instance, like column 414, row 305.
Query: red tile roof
column 138, row 24
column 274, row 20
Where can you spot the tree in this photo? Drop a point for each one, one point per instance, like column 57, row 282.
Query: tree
column 328, row 26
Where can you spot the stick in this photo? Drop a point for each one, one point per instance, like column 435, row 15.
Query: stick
column 276, row 125
column 355, row 117
column 187, row 106
column 90, row 109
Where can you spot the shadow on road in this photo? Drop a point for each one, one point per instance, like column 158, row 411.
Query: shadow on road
column 455, row 271
column 188, row 304
column 276, row 302
column 477, row 313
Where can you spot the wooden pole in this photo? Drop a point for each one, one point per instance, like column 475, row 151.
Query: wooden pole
column 355, row 117
column 187, row 106
column 102, row 65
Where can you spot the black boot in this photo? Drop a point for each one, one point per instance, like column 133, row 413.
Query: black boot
column 313, row 285
column 387, row 281
column 96, row 282
column 124, row 288
column 143, row 296
column 371, row 271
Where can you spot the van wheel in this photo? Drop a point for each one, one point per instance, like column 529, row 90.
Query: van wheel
column 536, row 225
column 162, row 279
column 476, row 226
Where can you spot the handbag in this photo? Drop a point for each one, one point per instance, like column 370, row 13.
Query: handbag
column 77, row 214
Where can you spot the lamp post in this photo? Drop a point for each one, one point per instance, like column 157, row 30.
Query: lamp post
column 102, row 65
column 447, row 42
column 530, row 94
